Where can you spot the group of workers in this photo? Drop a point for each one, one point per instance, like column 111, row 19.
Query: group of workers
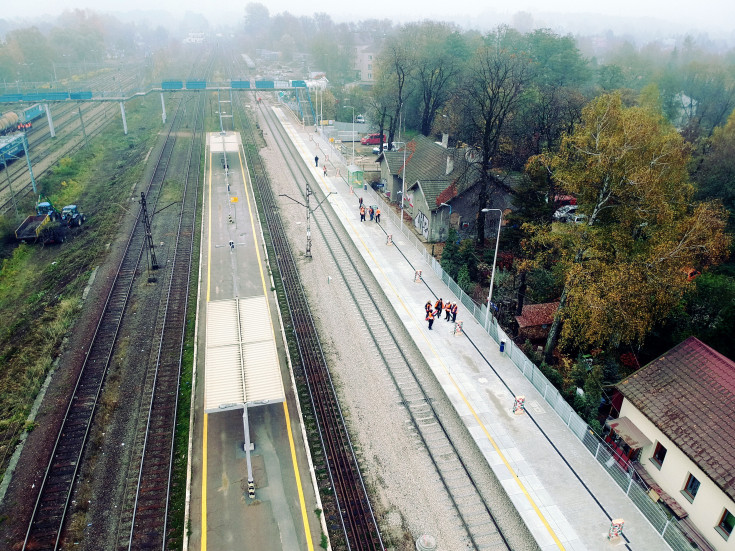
column 374, row 213
column 435, row 311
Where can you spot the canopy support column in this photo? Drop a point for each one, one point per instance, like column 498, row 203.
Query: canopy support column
column 248, row 445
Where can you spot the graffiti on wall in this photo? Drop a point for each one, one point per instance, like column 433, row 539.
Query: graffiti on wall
column 422, row 224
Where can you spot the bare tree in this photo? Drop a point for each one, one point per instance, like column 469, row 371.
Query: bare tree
column 395, row 66
column 498, row 73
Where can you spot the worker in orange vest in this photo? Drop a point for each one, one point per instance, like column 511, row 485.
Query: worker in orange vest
column 454, row 312
column 427, row 307
column 447, row 310
column 438, row 307
column 430, row 318
column 377, row 215
column 362, row 214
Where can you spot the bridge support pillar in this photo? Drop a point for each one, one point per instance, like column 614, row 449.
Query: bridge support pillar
column 125, row 121
column 163, row 109
column 51, row 129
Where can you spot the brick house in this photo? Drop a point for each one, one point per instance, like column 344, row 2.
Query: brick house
column 679, row 411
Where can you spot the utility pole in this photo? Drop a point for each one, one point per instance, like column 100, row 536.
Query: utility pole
column 148, row 237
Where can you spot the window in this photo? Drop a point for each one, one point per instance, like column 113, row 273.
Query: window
column 727, row 523
column 370, row 57
column 691, row 488
column 370, row 66
column 658, row 455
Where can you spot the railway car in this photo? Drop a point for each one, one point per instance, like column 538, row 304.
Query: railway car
column 8, row 123
column 31, row 113
column 11, row 148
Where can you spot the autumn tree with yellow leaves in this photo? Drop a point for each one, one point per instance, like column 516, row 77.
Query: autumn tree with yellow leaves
column 625, row 263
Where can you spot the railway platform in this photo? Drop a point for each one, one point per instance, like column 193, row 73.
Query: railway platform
column 563, row 495
column 252, row 482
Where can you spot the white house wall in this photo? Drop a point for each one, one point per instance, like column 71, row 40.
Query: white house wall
column 706, row 510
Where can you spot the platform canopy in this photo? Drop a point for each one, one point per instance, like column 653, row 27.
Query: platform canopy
column 241, row 366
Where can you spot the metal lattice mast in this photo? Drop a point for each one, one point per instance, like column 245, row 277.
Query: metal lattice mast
column 148, row 235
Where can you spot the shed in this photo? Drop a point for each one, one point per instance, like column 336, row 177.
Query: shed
column 354, row 175
column 535, row 320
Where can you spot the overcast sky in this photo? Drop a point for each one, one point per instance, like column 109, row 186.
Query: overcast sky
column 705, row 15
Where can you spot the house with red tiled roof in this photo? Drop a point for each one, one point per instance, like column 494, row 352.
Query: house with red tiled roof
column 535, row 321
column 681, row 406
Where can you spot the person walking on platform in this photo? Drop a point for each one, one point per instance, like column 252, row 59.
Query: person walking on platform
column 371, row 212
column 438, row 307
column 427, row 306
column 454, row 312
column 362, row 214
column 316, row 161
column 430, row 318
column 325, row 171
column 377, row 215
column 360, row 201
column 447, row 310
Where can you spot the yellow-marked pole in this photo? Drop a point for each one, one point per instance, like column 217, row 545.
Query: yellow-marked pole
column 204, row 484
column 438, row 357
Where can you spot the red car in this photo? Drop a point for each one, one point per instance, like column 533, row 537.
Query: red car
column 373, row 139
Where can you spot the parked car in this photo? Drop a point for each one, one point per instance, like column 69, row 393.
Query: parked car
column 360, row 119
column 376, row 150
column 563, row 213
column 373, row 139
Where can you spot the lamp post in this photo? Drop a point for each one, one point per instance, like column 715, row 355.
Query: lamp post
column 450, row 214
column 492, row 272
column 353, row 132
column 403, row 179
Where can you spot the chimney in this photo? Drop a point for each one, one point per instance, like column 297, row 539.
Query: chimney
column 445, row 140
column 450, row 164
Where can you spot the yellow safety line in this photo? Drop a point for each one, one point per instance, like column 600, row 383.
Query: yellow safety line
column 294, row 461
column 209, row 230
column 457, row 387
column 206, row 418
column 204, row 485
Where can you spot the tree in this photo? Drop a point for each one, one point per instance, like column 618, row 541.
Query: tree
column 396, row 63
column 624, row 266
column 436, row 68
column 497, row 75
column 715, row 173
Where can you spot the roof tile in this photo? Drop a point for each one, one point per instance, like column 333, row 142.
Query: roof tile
column 689, row 394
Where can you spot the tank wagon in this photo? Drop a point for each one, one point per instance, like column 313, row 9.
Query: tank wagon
column 12, row 121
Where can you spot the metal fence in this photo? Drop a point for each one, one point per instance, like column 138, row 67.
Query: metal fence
column 635, row 488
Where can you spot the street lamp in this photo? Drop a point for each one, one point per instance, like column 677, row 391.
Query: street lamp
column 403, row 179
column 353, row 132
column 492, row 273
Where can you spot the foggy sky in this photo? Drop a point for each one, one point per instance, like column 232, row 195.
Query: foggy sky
column 716, row 16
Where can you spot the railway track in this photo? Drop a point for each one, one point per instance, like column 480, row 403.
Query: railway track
column 66, row 123
column 144, row 514
column 472, row 510
column 353, row 512
column 49, row 513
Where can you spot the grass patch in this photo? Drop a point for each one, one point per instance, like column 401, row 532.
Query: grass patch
column 40, row 287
